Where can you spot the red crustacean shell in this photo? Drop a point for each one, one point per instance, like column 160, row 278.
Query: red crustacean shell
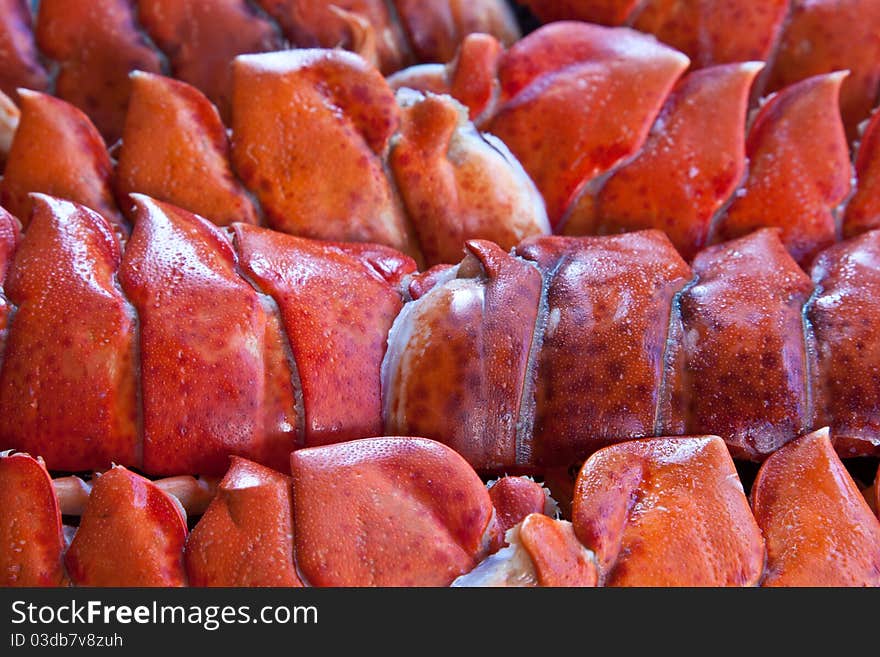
column 219, row 383
column 175, row 149
column 72, row 330
column 96, row 43
column 20, row 66
column 30, row 524
column 202, row 38
column 417, row 508
column 131, row 533
column 327, row 305
column 819, row 529
column 641, row 505
column 244, row 537
column 56, row 150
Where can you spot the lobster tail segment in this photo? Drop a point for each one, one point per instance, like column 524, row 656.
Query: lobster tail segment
column 459, row 367
column 175, row 149
column 643, row 504
column 212, row 355
column 30, row 524
column 819, row 529
column 799, row 169
column 600, row 368
column 73, row 330
column 56, row 150
column 577, row 100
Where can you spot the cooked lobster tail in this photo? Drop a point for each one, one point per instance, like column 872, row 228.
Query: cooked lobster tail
column 632, row 342
column 408, row 511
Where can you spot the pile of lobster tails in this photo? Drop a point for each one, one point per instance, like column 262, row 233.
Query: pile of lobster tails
column 388, row 293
